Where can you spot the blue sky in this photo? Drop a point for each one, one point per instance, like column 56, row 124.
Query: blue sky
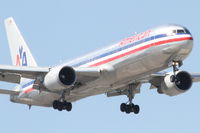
column 61, row 30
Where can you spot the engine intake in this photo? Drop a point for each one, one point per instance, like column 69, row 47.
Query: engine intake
column 60, row 78
column 182, row 83
column 67, row 75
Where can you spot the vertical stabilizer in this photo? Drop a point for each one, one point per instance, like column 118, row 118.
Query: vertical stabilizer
column 20, row 53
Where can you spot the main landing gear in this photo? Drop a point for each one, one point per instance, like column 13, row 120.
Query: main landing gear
column 129, row 106
column 62, row 104
column 175, row 65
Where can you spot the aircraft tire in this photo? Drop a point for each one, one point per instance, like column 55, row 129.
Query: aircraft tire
column 123, row 107
column 128, row 109
column 55, row 104
column 60, row 106
column 136, row 109
column 68, row 106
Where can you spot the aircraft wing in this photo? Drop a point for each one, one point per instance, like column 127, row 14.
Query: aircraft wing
column 195, row 77
column 154, row 79
column 13, row 74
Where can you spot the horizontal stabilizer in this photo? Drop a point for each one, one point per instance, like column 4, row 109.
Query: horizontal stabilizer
column 9, row 92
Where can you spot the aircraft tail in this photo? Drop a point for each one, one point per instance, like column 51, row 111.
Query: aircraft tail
column 20, row 53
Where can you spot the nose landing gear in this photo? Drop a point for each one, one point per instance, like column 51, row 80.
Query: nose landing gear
column 175, row 65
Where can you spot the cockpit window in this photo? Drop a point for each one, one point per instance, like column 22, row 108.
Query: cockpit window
column 187, row 31
column 179, row 31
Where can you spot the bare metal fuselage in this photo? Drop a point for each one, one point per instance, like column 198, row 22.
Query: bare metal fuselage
column 142, row 60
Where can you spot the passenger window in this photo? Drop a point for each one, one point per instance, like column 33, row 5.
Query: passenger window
column 174, row 31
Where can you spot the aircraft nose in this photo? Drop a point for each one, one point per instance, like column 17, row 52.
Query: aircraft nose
column 187, row 32
column 187, row 45
column 189, row 38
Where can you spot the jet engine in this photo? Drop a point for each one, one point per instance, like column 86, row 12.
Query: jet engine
column 60, row 78
column 182, row 83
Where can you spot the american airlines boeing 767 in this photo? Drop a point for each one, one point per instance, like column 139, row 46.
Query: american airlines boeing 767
column 119, row 69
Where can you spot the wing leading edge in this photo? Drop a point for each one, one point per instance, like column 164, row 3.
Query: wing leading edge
column 195, row 77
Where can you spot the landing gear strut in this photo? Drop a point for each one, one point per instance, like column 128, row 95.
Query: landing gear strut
column 62, row 104
column 129, row 106
column 175, row 65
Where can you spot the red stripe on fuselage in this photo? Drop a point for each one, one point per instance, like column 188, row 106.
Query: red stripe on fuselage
column 139, row 49
column 28, row 90
column 130, row 52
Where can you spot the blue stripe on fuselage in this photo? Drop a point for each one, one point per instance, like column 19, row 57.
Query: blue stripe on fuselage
column 27, row 84
column 119, row 49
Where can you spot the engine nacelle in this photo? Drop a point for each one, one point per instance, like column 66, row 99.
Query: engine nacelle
column 181, row 85
column 60, row 78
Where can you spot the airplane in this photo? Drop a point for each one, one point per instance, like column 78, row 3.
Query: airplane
column 116, row 70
